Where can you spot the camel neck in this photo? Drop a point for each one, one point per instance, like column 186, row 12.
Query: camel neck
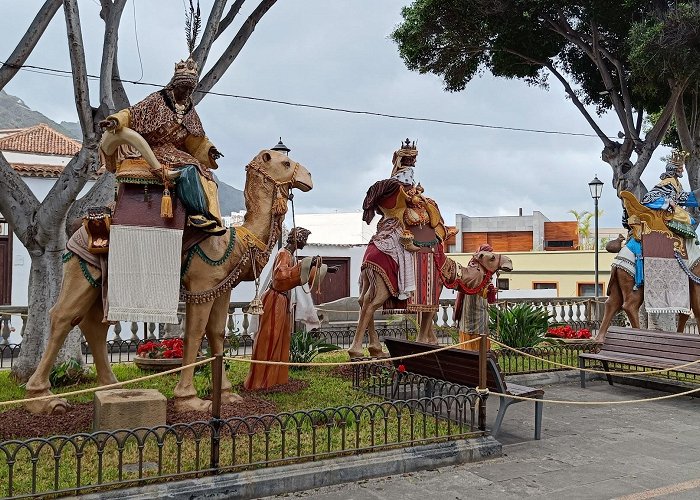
column 259, row 203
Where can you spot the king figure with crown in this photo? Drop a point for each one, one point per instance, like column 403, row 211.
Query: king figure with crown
column 407, row 249
column 169, row 123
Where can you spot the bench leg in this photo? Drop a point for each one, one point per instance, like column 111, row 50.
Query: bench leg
column 395, row 387
column 609, row 377
column 582, row 364
column 538, row 419
column 504, row 403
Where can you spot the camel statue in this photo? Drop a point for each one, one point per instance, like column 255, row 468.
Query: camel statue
column 621, row 292
column 374, row 292
column 270, row 176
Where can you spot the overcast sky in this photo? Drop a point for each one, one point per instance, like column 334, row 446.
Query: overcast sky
column 338, row 53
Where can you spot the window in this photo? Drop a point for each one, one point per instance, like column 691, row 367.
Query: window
column 4, row 228
column 588, row 289
column 559, row 244
column 544, row 285
column 503, row 284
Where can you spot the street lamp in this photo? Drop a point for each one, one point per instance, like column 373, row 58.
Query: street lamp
column 596, row 187
column 281, row 148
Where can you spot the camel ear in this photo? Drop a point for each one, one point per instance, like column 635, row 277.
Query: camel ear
column 266, row 156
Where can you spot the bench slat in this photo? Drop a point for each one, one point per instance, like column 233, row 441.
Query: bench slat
column 642, row 361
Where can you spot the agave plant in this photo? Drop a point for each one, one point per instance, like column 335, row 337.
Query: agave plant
column 305, row 346
column 521, row 325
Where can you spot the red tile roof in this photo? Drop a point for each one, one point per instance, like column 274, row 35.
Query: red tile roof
column 40, row 139
column 33, row 170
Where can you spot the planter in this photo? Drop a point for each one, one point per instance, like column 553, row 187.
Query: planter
column 159, row 364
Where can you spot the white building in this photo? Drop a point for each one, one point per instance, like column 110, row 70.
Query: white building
column 39, row 155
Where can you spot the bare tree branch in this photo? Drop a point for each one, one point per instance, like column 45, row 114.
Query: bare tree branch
column 229, row 17
column 682, row 129
column 201, row 53
column 653, row 137
column 64, row 191
column 579, row 105
column 29, row 40
column 77, row 62
column 18, row 203
column 233, row 49
column 121, row 100
column 109, row 52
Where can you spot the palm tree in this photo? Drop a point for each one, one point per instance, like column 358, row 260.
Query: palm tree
column 584, row 227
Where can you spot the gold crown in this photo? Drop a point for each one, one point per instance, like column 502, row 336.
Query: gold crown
column 407, row 144
column 678, row 157
column 188, row 67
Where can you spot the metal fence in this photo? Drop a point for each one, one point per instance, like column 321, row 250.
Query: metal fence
column 81, row 463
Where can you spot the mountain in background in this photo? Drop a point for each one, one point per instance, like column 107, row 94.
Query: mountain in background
column 14, row 113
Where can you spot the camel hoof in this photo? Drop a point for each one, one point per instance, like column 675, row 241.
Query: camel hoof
column 230, row 398
column 192, row 404
column 54, row 406
column 377, row 352
column 353, row 354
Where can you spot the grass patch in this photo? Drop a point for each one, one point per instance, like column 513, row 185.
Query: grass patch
column 353, row 421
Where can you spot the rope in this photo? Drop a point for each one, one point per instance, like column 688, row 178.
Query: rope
column 593, row 403
column 646, row 372
column 350, row 363
column 109, row 386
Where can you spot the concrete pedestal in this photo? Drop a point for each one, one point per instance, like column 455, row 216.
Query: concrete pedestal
column 128, row 409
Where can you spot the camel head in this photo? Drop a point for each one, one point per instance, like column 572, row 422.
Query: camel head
column 493, row 262
column 283, row 170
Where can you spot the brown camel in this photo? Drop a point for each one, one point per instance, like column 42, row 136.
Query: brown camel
column 622, row 296
column 374, row 292
column 270, row 177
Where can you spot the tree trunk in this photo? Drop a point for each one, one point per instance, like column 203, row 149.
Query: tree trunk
column 45, row 279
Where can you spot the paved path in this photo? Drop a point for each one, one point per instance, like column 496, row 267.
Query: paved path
column 635, row 452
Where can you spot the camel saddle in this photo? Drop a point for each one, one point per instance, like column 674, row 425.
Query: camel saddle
column 650, row 227
column 138, row 205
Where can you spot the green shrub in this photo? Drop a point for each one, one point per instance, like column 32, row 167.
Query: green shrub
column 68, row 373
column 521, row 325
column 305, row 346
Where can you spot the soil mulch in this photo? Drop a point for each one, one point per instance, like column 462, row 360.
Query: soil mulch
column 18, row 423
column 291, row 387
column 343, row 371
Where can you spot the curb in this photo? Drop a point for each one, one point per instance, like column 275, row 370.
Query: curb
column 548, row 378
column 310, row 475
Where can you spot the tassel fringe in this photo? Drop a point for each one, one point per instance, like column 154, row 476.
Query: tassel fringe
column 166, row 205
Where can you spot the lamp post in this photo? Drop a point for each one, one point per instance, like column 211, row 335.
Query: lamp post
column 282, row 149
column 596, row 187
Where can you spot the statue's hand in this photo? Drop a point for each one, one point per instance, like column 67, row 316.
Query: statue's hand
column 109, row 124
column 172, row 175
column 214, row 153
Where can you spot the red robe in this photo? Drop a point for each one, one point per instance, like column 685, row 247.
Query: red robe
column 274, row 334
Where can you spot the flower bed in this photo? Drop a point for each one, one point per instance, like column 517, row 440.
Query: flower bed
column 166, row 349
column 568, row 333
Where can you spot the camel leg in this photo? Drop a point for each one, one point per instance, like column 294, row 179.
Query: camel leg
column 95, row 332
column 632, row 301
column 371, row 299
column 185, row 393
column 74, row 302
column 426, row 333
column 612, row 305
column 215, row 332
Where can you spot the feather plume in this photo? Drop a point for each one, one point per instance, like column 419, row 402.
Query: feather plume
column 193, row 23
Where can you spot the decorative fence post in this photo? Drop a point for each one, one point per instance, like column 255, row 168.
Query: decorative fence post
column 483, row 384
column 217, row 368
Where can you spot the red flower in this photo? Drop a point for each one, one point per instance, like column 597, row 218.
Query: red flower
column 401, row 368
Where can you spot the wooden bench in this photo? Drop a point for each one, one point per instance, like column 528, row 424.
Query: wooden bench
column 462, row 367
column 644, row 348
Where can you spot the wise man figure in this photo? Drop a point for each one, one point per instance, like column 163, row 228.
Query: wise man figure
column 273, row 338
column 409, row 237
column 169, row 123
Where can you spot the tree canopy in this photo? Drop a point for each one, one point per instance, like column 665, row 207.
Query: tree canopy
column 631, row 57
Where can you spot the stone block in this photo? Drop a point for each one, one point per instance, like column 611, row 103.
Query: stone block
column 128, row 409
